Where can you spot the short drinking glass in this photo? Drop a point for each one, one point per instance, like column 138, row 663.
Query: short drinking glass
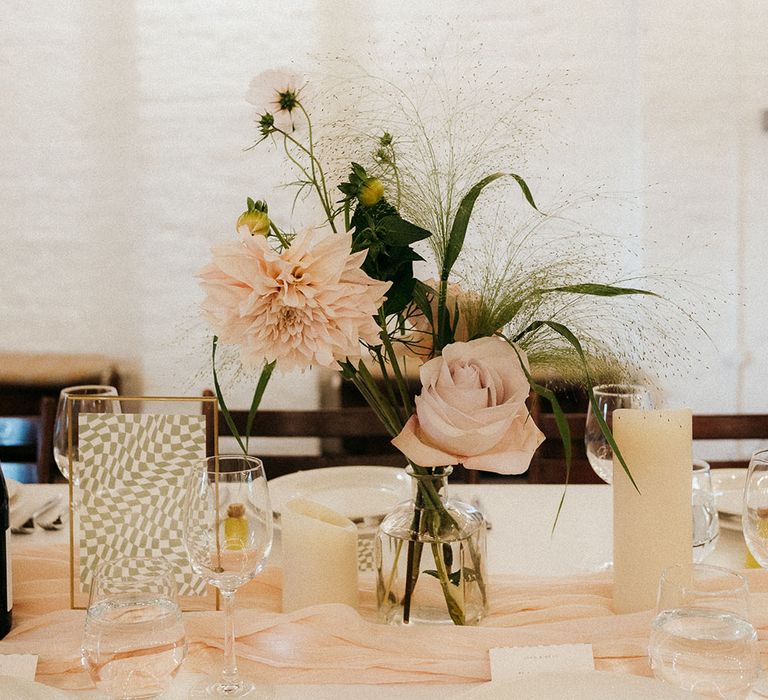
column 702, row 639
column 134, row 639
column 608, row 398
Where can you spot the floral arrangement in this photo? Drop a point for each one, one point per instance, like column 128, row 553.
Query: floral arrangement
column 344, row 295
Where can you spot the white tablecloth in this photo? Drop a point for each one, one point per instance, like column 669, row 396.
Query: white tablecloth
column 521, row 540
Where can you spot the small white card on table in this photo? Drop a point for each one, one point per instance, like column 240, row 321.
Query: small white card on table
column 510, row 663
column 21, row 666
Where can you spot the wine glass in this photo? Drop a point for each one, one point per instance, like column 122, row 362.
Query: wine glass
column 702, row 639
column 608, row 398
column 706, row 522
column 754, row 518
column 134, row 640
column 96, row 404
column 228, row 534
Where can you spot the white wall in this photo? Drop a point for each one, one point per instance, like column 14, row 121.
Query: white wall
column 122, row 128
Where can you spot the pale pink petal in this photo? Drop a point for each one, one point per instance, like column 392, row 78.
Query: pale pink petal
column 513, row 454
column 418, row 452
column 482, row 428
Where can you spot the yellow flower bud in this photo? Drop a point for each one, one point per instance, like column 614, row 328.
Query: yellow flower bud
column 371, row 191
column 256, row 222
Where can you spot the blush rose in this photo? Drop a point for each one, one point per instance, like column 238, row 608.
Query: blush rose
column 472, row 410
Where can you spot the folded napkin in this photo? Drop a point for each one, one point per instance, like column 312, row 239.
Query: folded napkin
column 16, row 688
column 24, row 504
column 18, row 665
column 30, row 500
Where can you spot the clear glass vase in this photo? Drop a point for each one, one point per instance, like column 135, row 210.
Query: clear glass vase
column 430, row 557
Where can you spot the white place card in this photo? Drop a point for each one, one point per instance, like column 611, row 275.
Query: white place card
column 21, row 666
column 510, row 663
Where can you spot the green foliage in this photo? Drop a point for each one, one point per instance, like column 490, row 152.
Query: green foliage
column 600, row 290
column 464, row 213
column 387, row 237
column 562, row 330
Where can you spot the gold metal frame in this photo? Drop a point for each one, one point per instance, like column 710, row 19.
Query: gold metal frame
column 153, row 399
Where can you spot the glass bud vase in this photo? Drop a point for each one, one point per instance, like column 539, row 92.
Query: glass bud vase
column 429, row 555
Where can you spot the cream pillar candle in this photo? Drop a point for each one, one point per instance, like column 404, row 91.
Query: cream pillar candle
column 319, row 556
column 651, row 529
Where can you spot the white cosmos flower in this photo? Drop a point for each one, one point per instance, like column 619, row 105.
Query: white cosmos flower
column 279, row 92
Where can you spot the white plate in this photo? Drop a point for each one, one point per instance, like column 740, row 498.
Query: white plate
column 363, row 494
column 573, row 685
column 13, row 488
column 728, row 487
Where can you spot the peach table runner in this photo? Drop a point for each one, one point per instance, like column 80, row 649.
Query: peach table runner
column 335, row 644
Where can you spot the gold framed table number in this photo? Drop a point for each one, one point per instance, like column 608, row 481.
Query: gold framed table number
column 128, row 484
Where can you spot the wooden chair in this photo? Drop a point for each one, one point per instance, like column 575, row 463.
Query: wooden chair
column 741, row 426
column 26, row 444
column 548, row 463
column 333, row 426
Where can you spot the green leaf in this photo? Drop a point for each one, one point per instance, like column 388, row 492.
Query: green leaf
column 562, row 330
column 400, row 294
column 562, row 427
column 359, row 171
column 460, row 223
column 524, row 187
column 454, row 577
column 266, row 373
column 400, row 232
column 224, row 410
column 422, row 297
column 464, row 212
column 600, row 290
column 470, row 575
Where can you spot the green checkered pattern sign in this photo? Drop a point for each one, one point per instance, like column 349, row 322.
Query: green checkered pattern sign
column 132, row 484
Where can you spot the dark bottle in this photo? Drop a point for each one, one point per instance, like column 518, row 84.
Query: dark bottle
column 6, row 593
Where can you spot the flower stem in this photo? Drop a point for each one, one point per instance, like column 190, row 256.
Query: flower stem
column 315, row 167
column 402, row 385
column 279, row 235
column 452, row 600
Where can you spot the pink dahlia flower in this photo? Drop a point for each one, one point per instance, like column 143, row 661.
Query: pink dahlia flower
column 309, row 305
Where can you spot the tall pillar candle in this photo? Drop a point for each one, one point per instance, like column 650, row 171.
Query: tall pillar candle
column 319, row 556
column 652, row 525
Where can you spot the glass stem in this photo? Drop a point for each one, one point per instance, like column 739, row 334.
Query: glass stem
column 229, row 675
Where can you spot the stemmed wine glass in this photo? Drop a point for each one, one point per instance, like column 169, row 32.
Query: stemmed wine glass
column 609, row 397
column 228, row 534
column 754, row 519
column 95, row 404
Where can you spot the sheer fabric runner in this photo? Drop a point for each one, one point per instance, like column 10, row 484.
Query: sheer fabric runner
column 336, row 644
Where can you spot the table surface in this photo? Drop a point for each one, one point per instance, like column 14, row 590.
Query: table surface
column 521, row 542
column 522, row 539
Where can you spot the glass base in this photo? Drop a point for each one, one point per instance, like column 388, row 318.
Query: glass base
column 213, row 688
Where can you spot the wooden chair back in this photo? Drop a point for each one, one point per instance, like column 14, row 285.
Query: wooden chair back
column 344, row 434
column 26, row 444
column 548, row 464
